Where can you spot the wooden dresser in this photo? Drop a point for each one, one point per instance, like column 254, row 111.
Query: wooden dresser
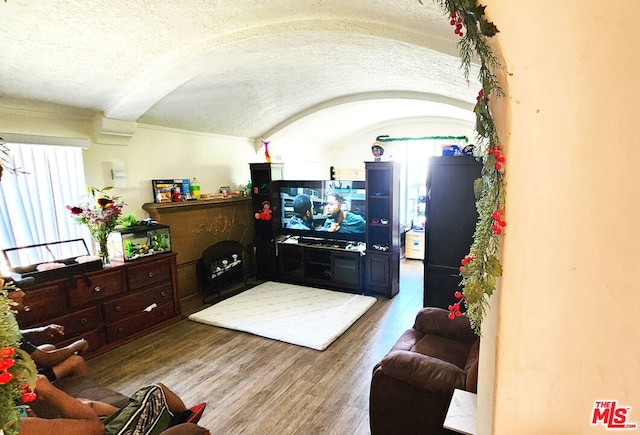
column 108, row 307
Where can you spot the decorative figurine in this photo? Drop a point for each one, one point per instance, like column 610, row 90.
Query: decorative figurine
column 266, row 150
column 265, row 213
column 176, row 196
column 377, row 149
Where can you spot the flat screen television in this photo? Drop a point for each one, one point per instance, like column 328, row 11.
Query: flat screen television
column 325, row 197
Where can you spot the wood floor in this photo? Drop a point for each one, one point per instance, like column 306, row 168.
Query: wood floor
column 254, row 385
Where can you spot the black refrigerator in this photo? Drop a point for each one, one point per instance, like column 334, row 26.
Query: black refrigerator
column 451, row 220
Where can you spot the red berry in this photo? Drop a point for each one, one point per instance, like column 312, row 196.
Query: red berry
column 5, row 377
column 491, row 150
column 452, row 316
column 450, row 307
column 458, row 313
column 498, row 166
column 28, row 397
column 458, row 294
column 503, row 224
column 6, row 363
column 499, row 231
column 461, row 269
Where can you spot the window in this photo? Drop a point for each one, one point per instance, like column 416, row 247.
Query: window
column 413, row 153
column 33, row 200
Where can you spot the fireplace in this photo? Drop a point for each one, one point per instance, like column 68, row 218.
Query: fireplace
column 197, row 225
column 221, row 265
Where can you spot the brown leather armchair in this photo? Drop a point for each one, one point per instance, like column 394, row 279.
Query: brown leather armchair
column 413, row 384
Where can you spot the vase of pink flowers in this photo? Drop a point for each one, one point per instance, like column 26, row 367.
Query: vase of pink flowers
column 101, row 213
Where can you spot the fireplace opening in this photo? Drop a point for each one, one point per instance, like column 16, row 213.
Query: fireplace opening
column 222, row 267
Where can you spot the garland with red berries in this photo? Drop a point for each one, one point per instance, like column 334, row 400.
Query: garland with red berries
column 481, row 267
column 17, row 370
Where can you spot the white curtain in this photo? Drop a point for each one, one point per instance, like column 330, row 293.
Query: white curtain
column 33, row 200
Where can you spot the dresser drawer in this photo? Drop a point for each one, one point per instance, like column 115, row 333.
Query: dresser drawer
column 147, row 274
column 135, row 303
column 44, row 303
column 92, row 336
column 126, row 327
column 78, row 323
column 91, row 288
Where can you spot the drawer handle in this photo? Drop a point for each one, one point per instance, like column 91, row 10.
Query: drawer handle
column 163, row 293
column 96, row 289
column 150, row 274
column 83, row 320
column 120, row 329
column 151, row 307
column 118, row 308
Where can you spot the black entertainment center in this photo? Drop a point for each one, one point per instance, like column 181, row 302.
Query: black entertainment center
column 363, row 256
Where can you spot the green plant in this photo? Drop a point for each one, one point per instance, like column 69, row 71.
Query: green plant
column 17, row 369
column 481, row 267
column 129, row 220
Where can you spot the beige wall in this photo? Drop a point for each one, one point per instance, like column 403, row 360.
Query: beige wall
column 567, row 331
column 152, row 153
column 155, row 153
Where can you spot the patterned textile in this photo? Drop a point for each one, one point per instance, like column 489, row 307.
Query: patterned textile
column 146, row 413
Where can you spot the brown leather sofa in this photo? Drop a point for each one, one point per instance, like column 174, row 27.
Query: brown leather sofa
column 413, row 384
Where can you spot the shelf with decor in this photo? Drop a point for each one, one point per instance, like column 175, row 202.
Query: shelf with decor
column 262, row 176
column 382, row 264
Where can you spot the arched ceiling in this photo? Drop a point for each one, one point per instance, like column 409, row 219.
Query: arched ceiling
column 233, row 67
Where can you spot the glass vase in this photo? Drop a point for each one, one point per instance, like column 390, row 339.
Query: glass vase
column 103, row 252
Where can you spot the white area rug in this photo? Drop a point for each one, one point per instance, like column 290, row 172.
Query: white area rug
column 294, row 314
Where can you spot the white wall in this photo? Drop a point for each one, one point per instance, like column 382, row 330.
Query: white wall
column 155, row 153
column 357, row 149
column 307, row 157
column 567, row 329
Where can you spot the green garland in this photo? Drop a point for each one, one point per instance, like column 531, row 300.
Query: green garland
column 481, row 267
column 385, row 138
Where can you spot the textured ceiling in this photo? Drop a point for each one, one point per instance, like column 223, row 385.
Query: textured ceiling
column 233, row 67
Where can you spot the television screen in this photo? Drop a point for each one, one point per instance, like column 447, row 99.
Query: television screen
column 327, row 209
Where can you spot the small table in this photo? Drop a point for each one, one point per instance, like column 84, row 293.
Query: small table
column 461, row 416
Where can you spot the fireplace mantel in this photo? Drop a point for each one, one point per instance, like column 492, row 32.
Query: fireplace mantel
column 196, row 225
